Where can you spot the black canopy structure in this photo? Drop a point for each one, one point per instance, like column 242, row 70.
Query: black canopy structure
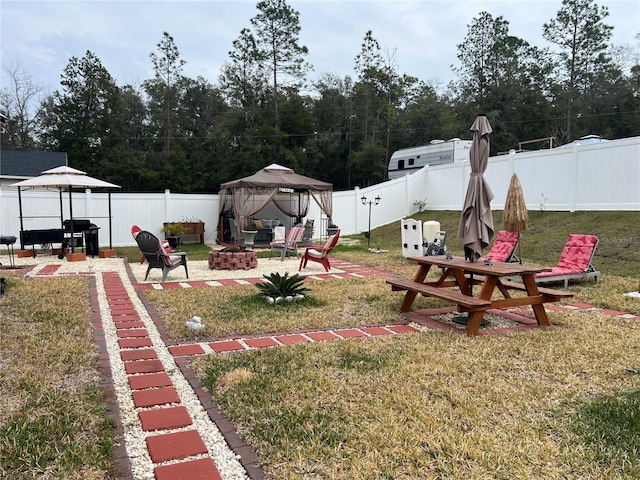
column 64, row 178
column 276, row 184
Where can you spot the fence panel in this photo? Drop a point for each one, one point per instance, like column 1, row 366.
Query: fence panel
column 603, row 176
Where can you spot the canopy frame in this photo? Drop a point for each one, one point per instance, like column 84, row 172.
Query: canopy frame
column 64, row 178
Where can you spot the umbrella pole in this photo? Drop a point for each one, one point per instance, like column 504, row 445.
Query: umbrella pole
column 21, row 221
column 110, row 229
column 464, row 319
column 71, row 220
column 61, row 209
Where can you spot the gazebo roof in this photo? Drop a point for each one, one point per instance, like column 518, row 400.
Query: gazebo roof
column 277, row 176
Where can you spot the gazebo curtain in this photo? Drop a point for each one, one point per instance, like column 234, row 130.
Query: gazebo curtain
column 293, row 205
column 325, row 200
column 248, row 201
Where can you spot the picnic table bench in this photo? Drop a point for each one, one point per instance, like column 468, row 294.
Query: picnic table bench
column 464, row 301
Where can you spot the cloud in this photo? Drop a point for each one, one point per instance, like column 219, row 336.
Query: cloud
column 43, row 35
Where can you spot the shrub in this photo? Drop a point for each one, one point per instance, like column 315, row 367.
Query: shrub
column 282, row 286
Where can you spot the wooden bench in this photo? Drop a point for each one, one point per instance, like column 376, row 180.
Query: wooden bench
column 470, row 303
column 543, row 291
column 520, row 286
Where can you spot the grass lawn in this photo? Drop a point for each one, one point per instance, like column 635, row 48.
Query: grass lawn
column 52, row 422
column 542, row 404
column 546, row 403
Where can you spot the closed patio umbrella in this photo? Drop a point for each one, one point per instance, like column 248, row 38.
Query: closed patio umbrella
column 515, row 217
column 476, row 222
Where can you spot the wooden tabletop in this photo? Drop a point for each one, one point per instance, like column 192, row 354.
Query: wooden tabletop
column 500, row 269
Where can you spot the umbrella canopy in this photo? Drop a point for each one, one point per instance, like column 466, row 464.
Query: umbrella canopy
column 476, row 222
column 64, row 178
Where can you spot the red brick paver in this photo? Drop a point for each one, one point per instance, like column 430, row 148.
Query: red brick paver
column 261, row 342
column 151, row 380
column 164, row 418
column 226, row 346
column 156, row 396
column 186, row 350
column 291, row 339
column 201, row 469
column 138, row 354
column 143, row 366
column 172, row 446
column 135, row 342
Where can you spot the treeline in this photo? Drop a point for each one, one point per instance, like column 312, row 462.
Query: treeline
column 190, row 135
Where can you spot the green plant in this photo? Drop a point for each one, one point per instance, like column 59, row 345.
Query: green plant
column 420, row 204
column 172, row 228
column 282, row 286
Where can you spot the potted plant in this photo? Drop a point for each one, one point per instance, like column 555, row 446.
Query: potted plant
column 172, row 233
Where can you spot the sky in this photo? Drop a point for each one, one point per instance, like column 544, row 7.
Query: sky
column 423, row 34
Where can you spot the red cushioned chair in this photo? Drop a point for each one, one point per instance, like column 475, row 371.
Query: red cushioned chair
column 575, row 261
column 320, row 253
column 504, row 248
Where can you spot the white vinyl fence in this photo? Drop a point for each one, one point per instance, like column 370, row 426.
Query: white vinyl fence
column 603, row 176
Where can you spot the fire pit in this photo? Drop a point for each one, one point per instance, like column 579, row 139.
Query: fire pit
column 233, row 259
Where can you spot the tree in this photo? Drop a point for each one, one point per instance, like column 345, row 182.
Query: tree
column 80, row 118
column 21, row 103
column 243, row 77
column 163, row 89
column 277, row 29
column 504, row 77
column 579, row 31
column 368, row 66
column 482, row 56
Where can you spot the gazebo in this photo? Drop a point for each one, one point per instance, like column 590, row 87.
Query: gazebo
column 279, row 185
column 61, row 178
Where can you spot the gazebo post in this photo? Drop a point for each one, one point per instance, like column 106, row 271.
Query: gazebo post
column 21, row 222
column 71, row 220
column 61, row 210
column 110, row 228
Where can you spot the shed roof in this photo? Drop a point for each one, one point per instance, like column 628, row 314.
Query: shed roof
column 29, row 163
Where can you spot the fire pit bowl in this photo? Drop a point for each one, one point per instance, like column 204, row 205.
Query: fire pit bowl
column 233, row 259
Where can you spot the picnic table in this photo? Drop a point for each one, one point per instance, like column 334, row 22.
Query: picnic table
column 463, row 275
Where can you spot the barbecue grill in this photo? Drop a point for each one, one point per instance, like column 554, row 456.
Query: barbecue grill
column 9, row 240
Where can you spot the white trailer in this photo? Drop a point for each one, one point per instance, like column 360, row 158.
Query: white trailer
column 410, row 160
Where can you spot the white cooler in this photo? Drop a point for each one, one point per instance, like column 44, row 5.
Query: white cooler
column 429, row 230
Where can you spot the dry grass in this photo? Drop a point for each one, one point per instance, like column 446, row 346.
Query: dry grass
column 52, row 422
column 232, row 311
column 435, row 405
column 539, row 404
